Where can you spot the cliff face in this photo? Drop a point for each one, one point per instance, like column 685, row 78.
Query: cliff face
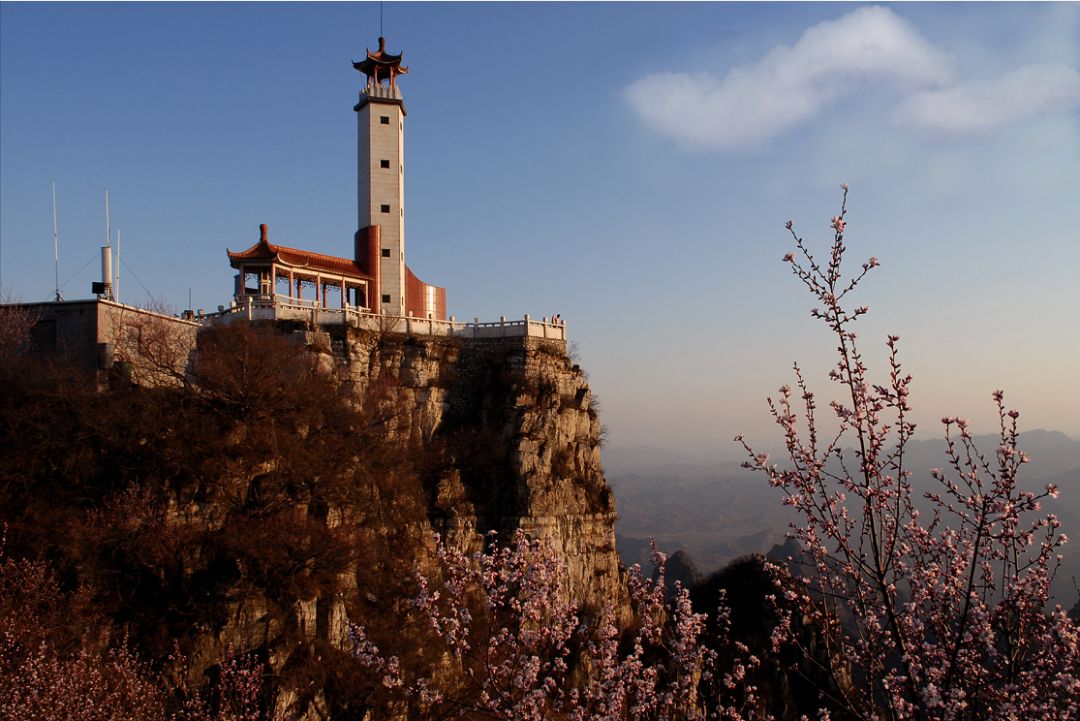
column 266, row 501
column 502, row 434
column 516, row 436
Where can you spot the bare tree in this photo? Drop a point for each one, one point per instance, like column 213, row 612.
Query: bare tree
column 153, row 345
column 16, row 324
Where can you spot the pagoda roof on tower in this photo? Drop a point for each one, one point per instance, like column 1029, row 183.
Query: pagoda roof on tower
column 265, row 251
column 380, row 59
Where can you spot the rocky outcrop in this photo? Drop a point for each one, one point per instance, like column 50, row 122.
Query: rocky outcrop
column 489, row 435
column 259, row 506
column 680, row 568
column 516, row 435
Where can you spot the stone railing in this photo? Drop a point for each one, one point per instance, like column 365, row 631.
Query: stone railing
column 317, row 315
column 381, row 91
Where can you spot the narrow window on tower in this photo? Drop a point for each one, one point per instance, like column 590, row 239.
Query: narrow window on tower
column 384, row 163
column 385, row 299
column 384, row 208
column 384, row 119
column 386, row 252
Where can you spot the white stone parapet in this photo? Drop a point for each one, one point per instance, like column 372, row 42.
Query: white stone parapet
column 312, row 312
column 381, row 91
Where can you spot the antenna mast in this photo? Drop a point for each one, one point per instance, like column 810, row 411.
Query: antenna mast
column 106, row 256
column 116, row 288
column 56, row 243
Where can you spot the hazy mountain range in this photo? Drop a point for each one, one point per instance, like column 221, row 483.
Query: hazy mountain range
column 716, row 512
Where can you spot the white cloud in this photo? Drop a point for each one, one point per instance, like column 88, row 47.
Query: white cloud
column 789, row 85
column 983, row 105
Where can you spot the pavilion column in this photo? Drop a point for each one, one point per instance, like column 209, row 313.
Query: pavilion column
column 299, row 288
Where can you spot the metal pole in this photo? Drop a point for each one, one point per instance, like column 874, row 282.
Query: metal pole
column 56, row 243
column 116, row 288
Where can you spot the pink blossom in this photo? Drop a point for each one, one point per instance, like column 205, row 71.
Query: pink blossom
column 924, row 619
column 517, row 659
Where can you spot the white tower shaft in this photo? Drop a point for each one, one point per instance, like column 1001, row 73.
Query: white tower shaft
column 381, row 187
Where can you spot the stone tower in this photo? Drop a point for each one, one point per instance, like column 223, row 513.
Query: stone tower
column 381, row 180
column 377, row 279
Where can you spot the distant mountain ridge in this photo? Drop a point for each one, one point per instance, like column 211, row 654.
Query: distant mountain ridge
column 619, row 460
column 717, row 511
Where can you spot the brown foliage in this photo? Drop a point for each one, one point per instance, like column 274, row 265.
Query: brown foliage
column 162, row 508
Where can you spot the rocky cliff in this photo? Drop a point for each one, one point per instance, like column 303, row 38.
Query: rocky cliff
column 493, row 435
column 294, row 484
column 517, row 437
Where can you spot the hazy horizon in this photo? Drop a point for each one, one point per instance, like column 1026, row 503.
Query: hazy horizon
column 641, row 193
column 653, row 456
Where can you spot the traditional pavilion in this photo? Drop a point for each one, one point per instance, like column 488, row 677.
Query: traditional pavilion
column 376, row 280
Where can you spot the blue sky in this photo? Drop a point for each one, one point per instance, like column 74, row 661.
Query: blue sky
column 629, row 166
